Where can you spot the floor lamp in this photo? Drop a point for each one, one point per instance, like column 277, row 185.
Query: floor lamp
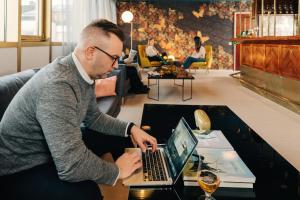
column 127, row 17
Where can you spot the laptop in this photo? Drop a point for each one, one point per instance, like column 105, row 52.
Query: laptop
column 164, row 166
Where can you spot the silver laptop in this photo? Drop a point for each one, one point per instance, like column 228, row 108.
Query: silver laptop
column 164, row 166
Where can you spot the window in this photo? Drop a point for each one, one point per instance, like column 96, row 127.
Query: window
column 32, row 19
column 2, row 19
column 8, row 21
column 60, row 12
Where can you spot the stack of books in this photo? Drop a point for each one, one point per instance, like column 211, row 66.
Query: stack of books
column 214, row 147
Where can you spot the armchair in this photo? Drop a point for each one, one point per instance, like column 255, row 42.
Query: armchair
column 144, row 61
column 208, row 57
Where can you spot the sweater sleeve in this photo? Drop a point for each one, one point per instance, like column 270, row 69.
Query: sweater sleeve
column 57, row 115
column 103, row 123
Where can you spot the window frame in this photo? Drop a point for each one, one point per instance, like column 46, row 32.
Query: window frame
column 42, row 25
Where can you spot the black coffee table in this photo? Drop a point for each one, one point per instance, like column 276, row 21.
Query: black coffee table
column 157, row 79
column 275, row 177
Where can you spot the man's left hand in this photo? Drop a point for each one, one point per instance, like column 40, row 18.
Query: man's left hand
column 141, row 138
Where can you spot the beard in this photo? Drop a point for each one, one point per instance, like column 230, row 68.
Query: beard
column 101, row 76
column 98, row 75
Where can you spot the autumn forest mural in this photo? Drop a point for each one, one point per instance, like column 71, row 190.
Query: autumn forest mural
column 173, row 24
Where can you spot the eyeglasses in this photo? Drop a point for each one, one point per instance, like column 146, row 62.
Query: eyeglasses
column 113, row 58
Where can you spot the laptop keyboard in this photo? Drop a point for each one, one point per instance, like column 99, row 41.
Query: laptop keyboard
column 153, row 168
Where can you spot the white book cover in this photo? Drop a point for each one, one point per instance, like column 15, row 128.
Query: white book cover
column 212, row 139
column 230, row 166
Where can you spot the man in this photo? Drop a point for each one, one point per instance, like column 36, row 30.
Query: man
column 43, row 153
column 153, row 54
column 136, row 84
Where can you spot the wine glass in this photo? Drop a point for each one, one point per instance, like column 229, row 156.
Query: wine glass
column 280, row 9
column 291, row 8
column 286, row 8
column 208, row 178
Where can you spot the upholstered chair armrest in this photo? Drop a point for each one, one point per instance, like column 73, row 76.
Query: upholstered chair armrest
column 10, row 85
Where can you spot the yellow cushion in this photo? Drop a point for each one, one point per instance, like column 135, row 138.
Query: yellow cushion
column 155, row 63
column 144, row 59
column 198, row 64
column 208, row 58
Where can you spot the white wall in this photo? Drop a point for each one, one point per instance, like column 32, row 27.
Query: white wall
column 8, row 61
column 34, row 57
column 57, row 51
column 31, row 57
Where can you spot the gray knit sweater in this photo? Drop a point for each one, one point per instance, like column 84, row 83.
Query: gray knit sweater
column 42, row 123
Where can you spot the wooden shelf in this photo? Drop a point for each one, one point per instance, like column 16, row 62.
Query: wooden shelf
column 289, row 40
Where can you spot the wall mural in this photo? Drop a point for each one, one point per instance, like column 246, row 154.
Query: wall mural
column 173, row 24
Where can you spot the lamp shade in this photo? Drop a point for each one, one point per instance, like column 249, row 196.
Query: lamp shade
column 127, row 16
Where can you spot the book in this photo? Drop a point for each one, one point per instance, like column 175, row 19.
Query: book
column 212, row 139
column 232, row 170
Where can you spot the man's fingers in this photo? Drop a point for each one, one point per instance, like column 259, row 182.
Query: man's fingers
column 143, row 147
column 133, row 141
column 153, row 143
column 136, row 166
column 136, row 159
column 145, row 139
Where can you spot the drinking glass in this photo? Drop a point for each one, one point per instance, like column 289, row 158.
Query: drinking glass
column 208, row 178
column 291, row 8
column 280, row 11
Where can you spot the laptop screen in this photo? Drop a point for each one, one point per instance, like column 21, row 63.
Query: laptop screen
column 180, row 146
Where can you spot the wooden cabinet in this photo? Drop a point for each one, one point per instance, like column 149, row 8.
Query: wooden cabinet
column 289, row 65
column 272, row 58
column 271, row 67
column 273, row 55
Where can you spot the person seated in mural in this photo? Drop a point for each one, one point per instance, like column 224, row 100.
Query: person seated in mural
column 152, row 53
column 136, row 85
column 197, row 56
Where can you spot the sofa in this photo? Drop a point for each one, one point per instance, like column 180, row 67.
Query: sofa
column 111, row 105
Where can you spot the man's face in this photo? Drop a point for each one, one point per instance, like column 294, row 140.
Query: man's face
column 152, row 42
column 105, row 56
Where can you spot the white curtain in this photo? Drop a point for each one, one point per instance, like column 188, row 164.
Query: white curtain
column 80, row 13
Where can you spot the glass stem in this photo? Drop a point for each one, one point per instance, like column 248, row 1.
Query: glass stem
column 207, row 196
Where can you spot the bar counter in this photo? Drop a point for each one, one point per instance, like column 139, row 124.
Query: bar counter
column 271, row 67
column 269, row 39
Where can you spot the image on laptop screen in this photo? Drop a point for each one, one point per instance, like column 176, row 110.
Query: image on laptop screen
column 180, row 146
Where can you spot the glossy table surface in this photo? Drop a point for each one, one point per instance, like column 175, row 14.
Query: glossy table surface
column 275, row 177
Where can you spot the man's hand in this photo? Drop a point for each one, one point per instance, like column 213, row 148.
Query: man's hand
column 128, row 163
column 141, row 138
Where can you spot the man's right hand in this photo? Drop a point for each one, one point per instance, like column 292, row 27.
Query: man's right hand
column 128, row 163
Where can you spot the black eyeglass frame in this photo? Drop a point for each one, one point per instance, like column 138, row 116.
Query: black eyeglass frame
column 113, row 58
